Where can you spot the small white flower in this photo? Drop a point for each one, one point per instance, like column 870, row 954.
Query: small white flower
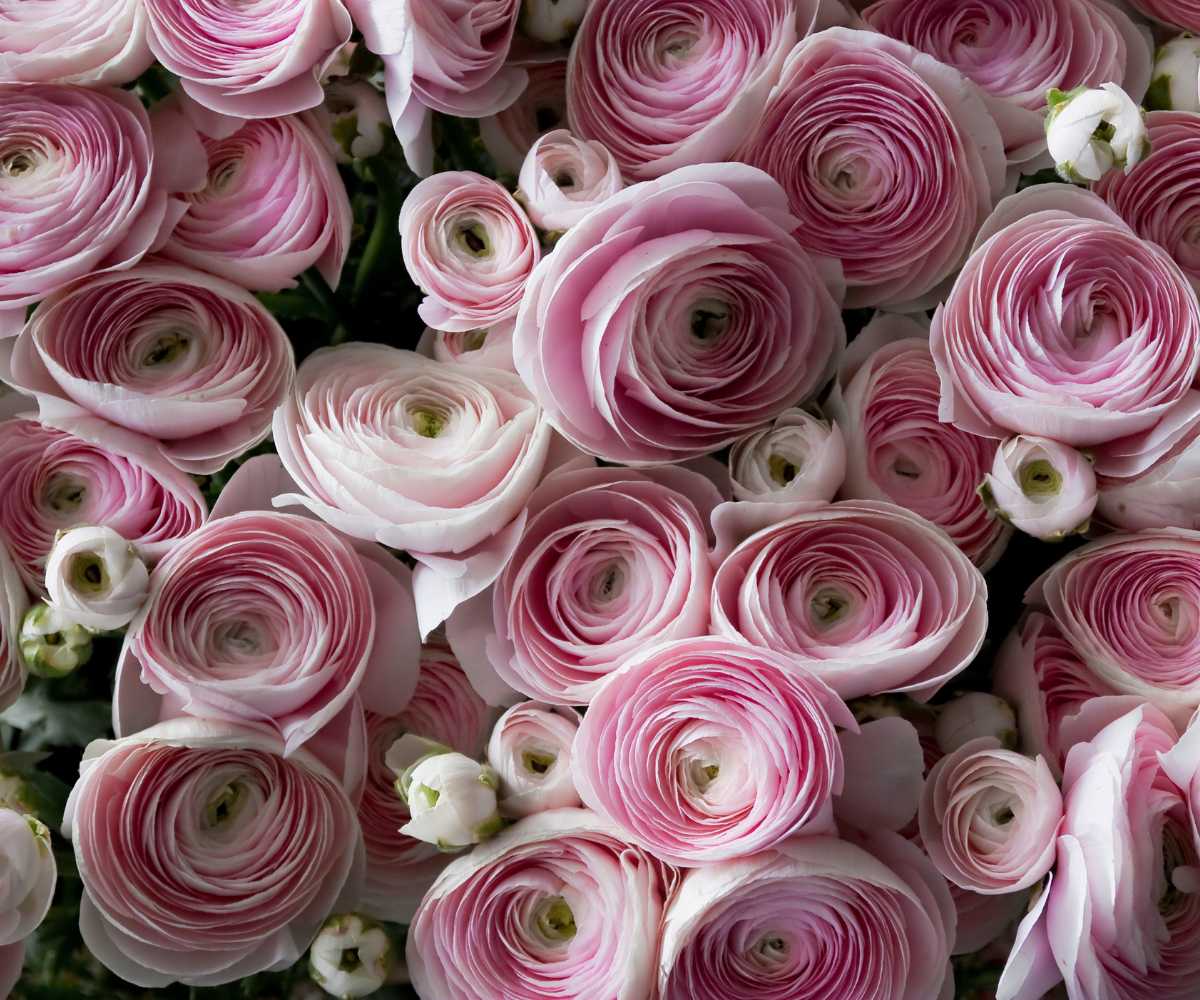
column 357, row 119
column 53, row 645
column 1088, row 132
column 1042, row 487
column 552, row 20
column 1175, row 85
column 95, row 578
column 350, row 957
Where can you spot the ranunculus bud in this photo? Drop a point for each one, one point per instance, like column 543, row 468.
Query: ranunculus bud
column 563, row 178
column 451, row 798
column 972, row 716
column 552, row 20
column 530, row 749
column 1044, row 488
column 357, row 117
column 51, row 644
column 27, row 875
column 350, row 957
column 798, row 457
column 1175, row 85
column 96, row 578
column 1091, row 131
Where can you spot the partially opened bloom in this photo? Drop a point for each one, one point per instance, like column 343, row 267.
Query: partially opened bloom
column 92, row 42
column 891, row 162
column 1176, row 79
column 563, row 178
column 188, row 812
column 52, row 480
column 27, row 875
column 272, row 206
column 451, row 798
column 666, row 86
column 509, row 134
column 52, row 645
column 1077, row 119
column 351, row 957
column 867, row 596
column 180, row 356
column 81, row 189
column 530, row 750
column 1041, row 487
column 706, row 749
column 817, row 918
column 357, row 118
column 886, row 403
column 96, row 578
column 989, row 817
column 471, row 249
column 580, row 907
column 712, row 319
column 796, row 457
column 252, row 60
column 1065, row 324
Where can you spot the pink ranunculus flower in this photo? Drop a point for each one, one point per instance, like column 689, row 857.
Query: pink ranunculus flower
column 798, row 457
column 610, row 561
column 1017, row 50
column 470, row 247
column 1153, row 198
column 1047, row 682
column 440, row 55
column 818, row 917
column 252, row 60
column 82, row 189
column 1120, row 916
column 271, row 206
column 91, row 42
column 1130, row 607
column 389, row 446
column 177, row 355
column 580, row 907
column 446, row 709
column 509, row 134
column 491, row 347
column 891, row 163
column 1065, row 324
column 27, row 875
column 669, row 86
column 268, row 619
column 14, row 602
column 1167, row 495
column 1173, row 13
column 564, row 177
column 530, row 749
column 88, row 472
column 168, row 820
column 707, row 749
column 1043, row 488
column 989, row 817
column 866, row 595
column 886, row 402
column 712, row 319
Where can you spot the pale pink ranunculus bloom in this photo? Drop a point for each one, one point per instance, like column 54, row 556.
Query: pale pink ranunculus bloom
column 95, row 578
column 582, row 916
column 770, row 926
column 890, row 159
column 215, row 812
column 14, row 602
column 610, row 561
column 444, row 708
column 1065, row 324
column 28, row 873
column 256, row 59
column 82, row 189
column 797, row 457
column 713, row 320
column 564, row 177
column 470, row 247
column 866, row 595
column 85, row 471
column 886, row 402
column 1120, row 914
column 667, row 87
column 269, row 203
column 509, row 134
column 448, row 56
column 1167, row 495
column 989, row 817
column 1183, row 14
column 183, row 357
column 1016, row 50
column 706, row 749
column 1041, row 487
column 91, row 42
column 531, row 751
column 269, row 619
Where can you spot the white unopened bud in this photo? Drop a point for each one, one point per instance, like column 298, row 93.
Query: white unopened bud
column 350, row 957
column 1175, row 85
column 1089, row 132
column 1041, row 487
column 552, row 20
column 451, row 799
column 972, row 716
column 51, row 644
column 95, row 578
column 357, row 119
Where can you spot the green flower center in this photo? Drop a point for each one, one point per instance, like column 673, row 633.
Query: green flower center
column 783, row 470
column 87, row 573
column 1039, row 479
column 555, row 921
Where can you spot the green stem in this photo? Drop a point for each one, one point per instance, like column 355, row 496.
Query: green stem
column 385, row 232
column 315, row 285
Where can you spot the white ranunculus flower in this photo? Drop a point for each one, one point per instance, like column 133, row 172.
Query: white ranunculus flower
column 1175, row 85
column 96, row 578
column 451, row 798
column 350, row 957
column 1089, row 132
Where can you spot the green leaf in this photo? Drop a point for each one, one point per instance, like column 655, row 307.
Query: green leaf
column 45, row 722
